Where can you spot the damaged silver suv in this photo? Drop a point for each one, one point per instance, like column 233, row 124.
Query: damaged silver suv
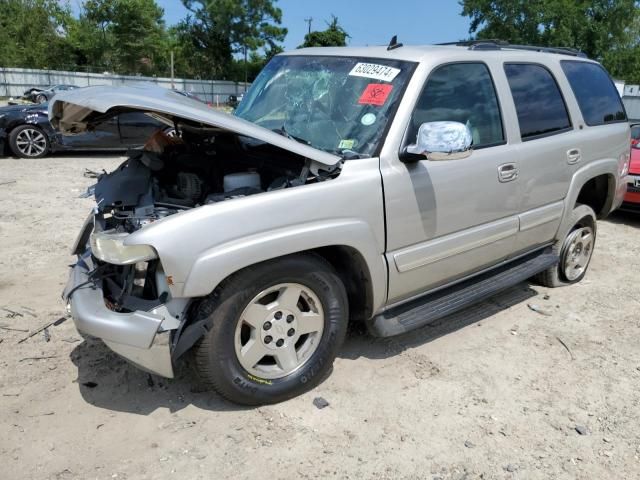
column 390, row 186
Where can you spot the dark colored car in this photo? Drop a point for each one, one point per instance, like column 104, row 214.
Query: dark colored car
column 44, row 94
column 234, row 100
column 26, row 132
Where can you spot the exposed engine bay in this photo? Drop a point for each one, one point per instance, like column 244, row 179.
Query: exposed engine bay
column 199, row 167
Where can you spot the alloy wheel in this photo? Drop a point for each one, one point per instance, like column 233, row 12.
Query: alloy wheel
column 279, row 330
column 577, row 252
column 31, row 142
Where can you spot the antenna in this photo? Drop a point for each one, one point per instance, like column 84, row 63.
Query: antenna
column 393, row 44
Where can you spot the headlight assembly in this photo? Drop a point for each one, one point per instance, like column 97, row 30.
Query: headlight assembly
column 109, row 247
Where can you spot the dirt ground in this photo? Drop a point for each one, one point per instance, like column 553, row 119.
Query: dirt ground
column 498, row 391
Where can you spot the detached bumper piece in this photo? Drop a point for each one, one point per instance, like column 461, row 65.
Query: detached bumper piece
column 137, row 336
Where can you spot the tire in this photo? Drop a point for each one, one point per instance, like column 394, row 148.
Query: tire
column 575, row 244
column 238, row 312
column 41, row 98
column 29, row 141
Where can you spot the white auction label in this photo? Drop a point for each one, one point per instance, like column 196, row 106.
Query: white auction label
column 375, row 71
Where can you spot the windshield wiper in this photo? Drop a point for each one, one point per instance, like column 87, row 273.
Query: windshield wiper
column 286, row 134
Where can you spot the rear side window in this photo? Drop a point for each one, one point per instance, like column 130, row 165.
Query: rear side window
column 461, row 92
column 596, row 94
column 539, row 103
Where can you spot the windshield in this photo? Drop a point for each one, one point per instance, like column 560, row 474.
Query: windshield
column 338, row 104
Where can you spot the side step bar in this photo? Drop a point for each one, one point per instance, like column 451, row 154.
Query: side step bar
column 431, row 307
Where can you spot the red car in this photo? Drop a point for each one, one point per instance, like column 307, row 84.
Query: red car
column 632, row 197
column 635, row 134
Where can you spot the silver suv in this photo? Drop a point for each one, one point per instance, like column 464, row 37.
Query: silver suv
column 390, row 186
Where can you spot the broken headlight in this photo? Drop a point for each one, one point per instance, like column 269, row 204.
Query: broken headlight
column 109, row 247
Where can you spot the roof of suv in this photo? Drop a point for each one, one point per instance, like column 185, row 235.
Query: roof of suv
column 418, row 53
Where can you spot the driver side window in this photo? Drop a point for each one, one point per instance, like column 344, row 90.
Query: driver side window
column 461, row 92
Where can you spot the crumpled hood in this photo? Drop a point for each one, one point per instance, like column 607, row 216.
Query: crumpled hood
column 71, row 113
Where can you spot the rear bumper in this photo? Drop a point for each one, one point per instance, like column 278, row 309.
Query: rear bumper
column 137, row 336
column 632, row 193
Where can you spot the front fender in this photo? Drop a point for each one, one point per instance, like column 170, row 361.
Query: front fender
column 198, row 248
column 217, row 263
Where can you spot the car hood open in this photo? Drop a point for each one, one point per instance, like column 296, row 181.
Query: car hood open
column 74, row 112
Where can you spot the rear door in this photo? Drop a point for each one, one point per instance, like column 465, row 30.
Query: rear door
column 547, row 146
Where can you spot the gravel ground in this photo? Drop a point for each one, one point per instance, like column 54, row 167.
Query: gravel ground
column 497, row 391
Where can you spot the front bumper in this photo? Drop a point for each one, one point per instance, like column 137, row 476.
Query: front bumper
column 139, row 337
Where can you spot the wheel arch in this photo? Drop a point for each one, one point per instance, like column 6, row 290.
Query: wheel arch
column 350, row 265
column 595, row 185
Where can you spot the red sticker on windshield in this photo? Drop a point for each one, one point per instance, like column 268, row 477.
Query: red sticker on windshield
column 375, row 94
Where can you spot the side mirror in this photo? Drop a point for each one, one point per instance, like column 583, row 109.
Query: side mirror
column 441, row 141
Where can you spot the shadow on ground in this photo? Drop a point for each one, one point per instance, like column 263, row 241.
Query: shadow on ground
column 106, row 381
column 623, row 217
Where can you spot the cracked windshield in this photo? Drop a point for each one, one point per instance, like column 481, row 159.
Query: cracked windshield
column 340, row 105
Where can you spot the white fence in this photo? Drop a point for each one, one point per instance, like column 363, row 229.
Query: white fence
column 14, row 82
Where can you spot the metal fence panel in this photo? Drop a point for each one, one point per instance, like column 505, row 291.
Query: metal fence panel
column 14, row 81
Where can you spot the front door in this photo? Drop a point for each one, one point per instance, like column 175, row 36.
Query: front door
column 448, row 219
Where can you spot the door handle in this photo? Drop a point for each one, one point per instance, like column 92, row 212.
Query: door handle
column 507, row 172
column 573, row 156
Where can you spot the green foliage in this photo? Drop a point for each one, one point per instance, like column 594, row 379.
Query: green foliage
column 607, row 30
column 219, row 28
column 33, row 33
column 333, row 36
column 130, row 37
column 124, row 36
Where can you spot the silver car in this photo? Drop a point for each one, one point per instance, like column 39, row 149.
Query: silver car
column 390, row 186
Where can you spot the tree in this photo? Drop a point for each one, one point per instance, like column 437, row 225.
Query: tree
column 33, row 33
column 125, row 36
column 606, row 30
column 238, row 26
column 333, row 36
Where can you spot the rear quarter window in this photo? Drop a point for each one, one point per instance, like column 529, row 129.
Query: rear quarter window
column 539, row 104
column 595, row 92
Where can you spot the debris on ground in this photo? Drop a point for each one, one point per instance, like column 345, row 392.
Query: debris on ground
column 11, row 313
column 46, row 357
column 582, row 430
column 320, row 403
column 539, row 310
column 511, row 468
column 55, row 323
column 8, row 183
column 469, row 444
column 47, row 335
column 11, row 329
column 566, row 347
column 89, row 384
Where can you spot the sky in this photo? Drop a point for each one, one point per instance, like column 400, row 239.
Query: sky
column 371, row 22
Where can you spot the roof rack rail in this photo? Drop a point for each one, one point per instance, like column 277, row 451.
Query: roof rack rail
column 494, row 44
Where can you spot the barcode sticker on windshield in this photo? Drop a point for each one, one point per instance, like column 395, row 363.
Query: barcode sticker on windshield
column 375, row 71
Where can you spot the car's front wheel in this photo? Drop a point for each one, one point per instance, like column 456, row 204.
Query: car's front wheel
column 41, row 98
column 275, row 330
column 28, row 141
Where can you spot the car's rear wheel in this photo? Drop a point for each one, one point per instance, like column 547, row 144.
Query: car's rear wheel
column 28, row 141
column 276, row 329
column 574, row 250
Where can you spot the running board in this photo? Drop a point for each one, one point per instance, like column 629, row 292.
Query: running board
column 431, row 307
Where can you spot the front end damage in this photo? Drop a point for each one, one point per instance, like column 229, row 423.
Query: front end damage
column 118, row 290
